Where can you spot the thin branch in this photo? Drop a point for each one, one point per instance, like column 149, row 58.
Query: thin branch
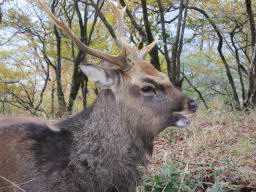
column 15, row 185
column 42, row 91
column 9, row 39
column 106, row 23
column 198, row 92
column 134, row 23
column 220, row 44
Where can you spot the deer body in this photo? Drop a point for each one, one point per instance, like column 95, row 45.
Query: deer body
column 99, row 149
column 87, row 154
column 95, row 163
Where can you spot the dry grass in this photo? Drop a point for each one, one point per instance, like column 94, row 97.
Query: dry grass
column 216, row 140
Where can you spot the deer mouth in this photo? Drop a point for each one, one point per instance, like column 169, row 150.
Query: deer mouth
column 181, row 120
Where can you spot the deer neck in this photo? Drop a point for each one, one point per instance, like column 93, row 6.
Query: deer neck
column 107, row 127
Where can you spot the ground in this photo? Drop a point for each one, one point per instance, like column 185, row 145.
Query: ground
column 218, row 148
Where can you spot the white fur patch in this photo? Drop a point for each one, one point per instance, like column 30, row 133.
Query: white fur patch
column 98, row 75
column 182, row 122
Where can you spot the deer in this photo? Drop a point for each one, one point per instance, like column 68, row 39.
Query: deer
column 101, row 148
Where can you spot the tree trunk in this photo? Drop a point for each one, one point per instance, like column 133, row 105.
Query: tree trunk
column 77, row 74
column 251, row 94
column 254, row 96
column 52, row 100
column 228, row 72
column 84, row 88
column 238, row 63
column 1, row 14
column 154, row 58
column 166, row 52
column 179, row 80
column 3, row 105
column 251, row 19
column 174, row 68
column 61, row 99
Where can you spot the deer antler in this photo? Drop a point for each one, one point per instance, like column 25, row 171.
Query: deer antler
column 137, row 54
column 119, row 60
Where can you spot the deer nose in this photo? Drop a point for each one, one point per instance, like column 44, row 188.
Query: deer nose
column 192, row 106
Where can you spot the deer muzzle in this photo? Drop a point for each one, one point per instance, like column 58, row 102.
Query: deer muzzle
column 190, row 106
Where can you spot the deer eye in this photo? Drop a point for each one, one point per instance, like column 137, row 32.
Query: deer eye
column 148, row 89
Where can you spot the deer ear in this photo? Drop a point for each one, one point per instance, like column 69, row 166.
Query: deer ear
column 99, row 75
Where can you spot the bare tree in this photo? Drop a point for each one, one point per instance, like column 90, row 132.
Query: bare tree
column 251, row 94
column 220, row 51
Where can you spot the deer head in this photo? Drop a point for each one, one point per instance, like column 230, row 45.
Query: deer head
column 147, row 95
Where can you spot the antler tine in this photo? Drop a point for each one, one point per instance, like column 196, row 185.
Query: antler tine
column 145, row 50
column 119, row 13
column 119, row 60
column 136, row 54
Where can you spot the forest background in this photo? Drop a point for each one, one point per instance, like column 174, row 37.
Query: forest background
column 206, row 47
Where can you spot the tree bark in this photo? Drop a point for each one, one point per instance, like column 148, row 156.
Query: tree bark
column 238, row 62
column 52, row 100
column 84, row 88
column 252, row 68
column 251, row 19
column 1, row 14
column 76, row 81
column 174, row 74
column 178, row 80
column 251, row 95
column 3, row 105
column 77, row 74
column 61, row 99
column 154, row 58
column 78, row 77
column 166, row 52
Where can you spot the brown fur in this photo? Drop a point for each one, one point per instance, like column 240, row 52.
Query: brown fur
column 148, row 69
column 7, row 121
column 100, row 148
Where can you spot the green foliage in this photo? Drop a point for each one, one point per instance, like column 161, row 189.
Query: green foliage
column 171, row 179
column 180, row 179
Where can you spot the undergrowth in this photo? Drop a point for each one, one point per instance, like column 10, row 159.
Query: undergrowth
column 216, row 153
